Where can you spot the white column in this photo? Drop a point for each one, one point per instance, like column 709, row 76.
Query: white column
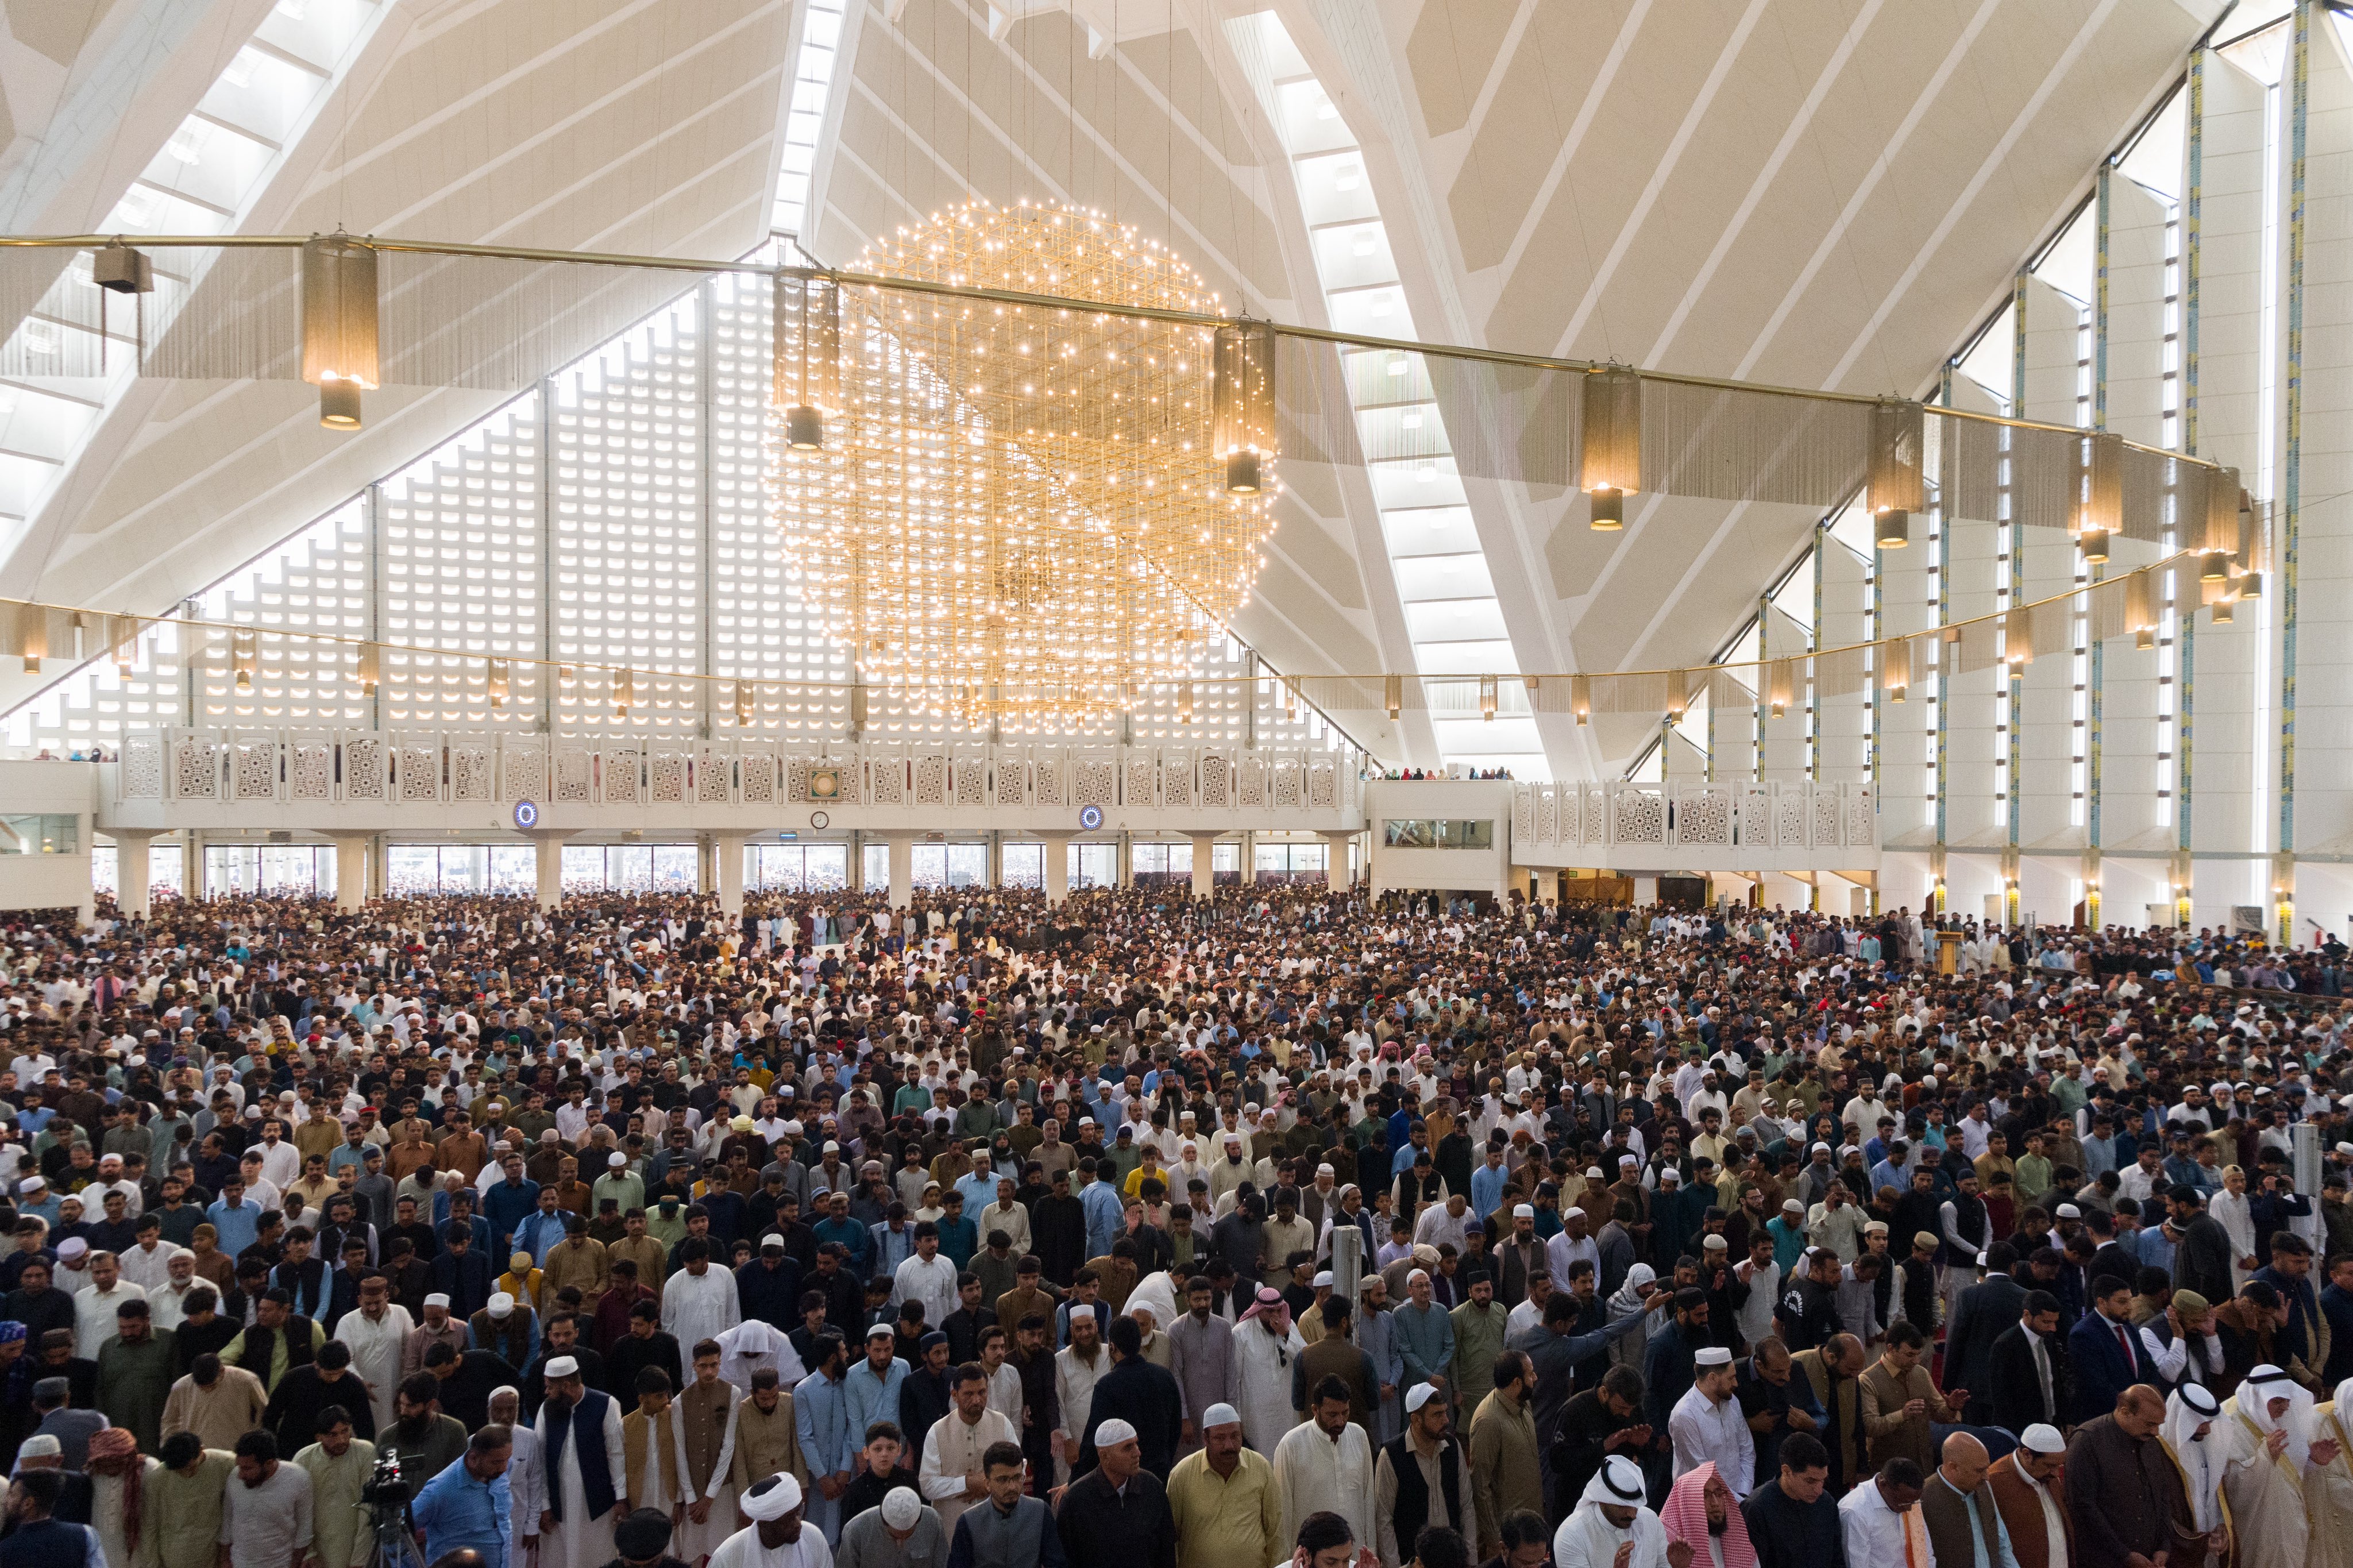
column 1058, row 867
column 727, row 851
column 1205, row 858
column 1335, row 861
column 902, row 870
column 350, row 868
column 133, row 871
column 551, row 868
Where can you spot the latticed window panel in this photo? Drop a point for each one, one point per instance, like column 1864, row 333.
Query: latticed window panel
column 461, row 568
column 627, row 439
column 318, row 581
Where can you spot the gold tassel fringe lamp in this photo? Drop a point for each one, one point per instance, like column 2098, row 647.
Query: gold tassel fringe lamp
column 339, row 326
column 1897, row 485
column 1243, row 403
column 1609, row 458
column 808, row 357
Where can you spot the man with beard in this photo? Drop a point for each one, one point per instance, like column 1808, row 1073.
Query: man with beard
column 829, row 1445
column 581, row 1461
column 777, row 1537
column 1034, row 1360
column 421, row 1437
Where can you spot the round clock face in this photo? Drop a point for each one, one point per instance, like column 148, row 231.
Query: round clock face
column 525, row 813
column 818, row 819
column 1091, row 818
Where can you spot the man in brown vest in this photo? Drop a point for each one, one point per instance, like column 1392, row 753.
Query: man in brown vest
column 1337, row 1355
column 706, row 1419
column 1958, row 1510
column 1834, row 1371
column 507, row 1329
column 2030, row 1488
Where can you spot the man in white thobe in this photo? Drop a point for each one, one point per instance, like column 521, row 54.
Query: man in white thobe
column 699, row 1303
column 2200, row 1450
column 524, row 1471
column 570, row 1534
column 1265, row 1343
column 1077, row 1367
column 1706, row 1423
column 377, row 1335
column 1611, row 1515
column 1323, row 1466
column 2272, row 1453
column 751, row 1345
column 952, row 1476
column 777, row 1537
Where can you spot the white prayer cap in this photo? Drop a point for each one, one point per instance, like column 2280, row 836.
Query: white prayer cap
column 772, row 1499
column 1322, row 1278
column 619, row 1160
column 563, row 1366
column 1113, row 1431
column 1221, row 1416
column 879, row 1331
column 1713, row 1355
column 1419, row 1394
column 1523, row 1211
column 830, row 1148
column 1420, row 1274
column 901, row 1508
column 1617, row 1484
column 1593, row 1174
column 2069, row 1211
column 438, row 1300
column 772, row 1239
column 2043, row 1438
column 1325, row 1171
column 71, row 1247
column 31, row 1184
column 501, row 1305
column 1820, row 1148
column 791, row 1128
column 42, row 1445
column 1628, row 1160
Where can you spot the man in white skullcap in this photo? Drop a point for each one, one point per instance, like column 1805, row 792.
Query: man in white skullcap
column 1706, row 1425
column 1228, row 1503
column 583, row 1467
column 2030, row 1489
column 775, row 1538
column 2273, row 1456
column 901, row 1534
column 1611, row 1515
column 1420, row 1479
column 1325, row 1465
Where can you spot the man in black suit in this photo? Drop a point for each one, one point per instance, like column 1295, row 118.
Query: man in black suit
column 1983, row 1313
column 2027, row 1368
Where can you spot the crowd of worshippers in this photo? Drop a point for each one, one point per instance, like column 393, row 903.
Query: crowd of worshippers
column 1272, row 1226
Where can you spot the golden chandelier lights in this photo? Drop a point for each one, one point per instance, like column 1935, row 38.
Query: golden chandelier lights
column 1024, row 513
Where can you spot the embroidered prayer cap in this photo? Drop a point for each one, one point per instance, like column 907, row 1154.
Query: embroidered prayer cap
column 2044, row 1438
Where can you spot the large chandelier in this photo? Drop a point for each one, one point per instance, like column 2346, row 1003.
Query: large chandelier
column 1022, row 514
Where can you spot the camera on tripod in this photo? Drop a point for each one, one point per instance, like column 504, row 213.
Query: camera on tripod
column 383, row 1490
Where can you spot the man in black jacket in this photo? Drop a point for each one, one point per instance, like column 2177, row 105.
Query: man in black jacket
column 2026, row 1370
column 1142, row 1395
column 1793, row 1521
column 1118, row 1512
column 304, row 1391
column 1983, row 1314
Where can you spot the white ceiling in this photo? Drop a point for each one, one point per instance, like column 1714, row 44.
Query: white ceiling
column 1815, row 193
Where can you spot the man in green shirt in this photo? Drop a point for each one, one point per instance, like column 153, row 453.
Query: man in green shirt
column 338, row 1464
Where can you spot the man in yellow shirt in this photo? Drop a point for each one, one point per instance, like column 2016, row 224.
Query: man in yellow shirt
column 1224, row 1501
